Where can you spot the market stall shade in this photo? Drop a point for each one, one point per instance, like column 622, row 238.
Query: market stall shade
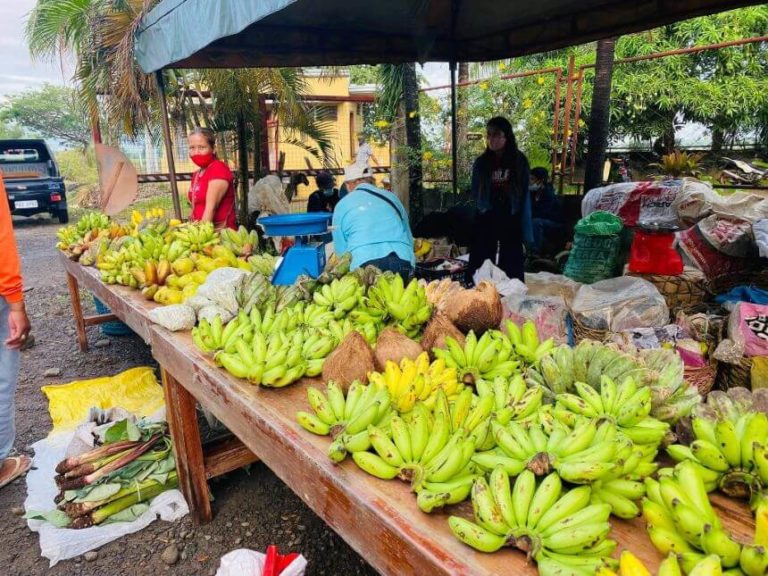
column 248, row 33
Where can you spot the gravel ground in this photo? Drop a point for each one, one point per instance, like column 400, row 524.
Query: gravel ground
column 252, row 507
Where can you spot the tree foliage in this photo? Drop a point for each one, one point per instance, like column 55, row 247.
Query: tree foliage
column 52, row 112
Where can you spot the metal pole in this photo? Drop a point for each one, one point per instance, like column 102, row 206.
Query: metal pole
column 567, row 119
column 168, row 144
column 454, row 131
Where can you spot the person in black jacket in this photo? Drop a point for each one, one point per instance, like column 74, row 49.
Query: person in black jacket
column 500, row 192
column 547, row 217
column 325, row 198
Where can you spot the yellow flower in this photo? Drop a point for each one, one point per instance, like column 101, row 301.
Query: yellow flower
column 483, row 85
column 412, row 114
column 581, row 122
column 502, row 66
column 427, row 156
column 527, row 103
column 381, row 123
column 540, row 80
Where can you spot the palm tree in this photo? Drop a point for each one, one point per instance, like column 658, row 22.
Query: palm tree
column 599, row 118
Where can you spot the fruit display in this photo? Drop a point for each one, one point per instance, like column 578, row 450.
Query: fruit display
column 729, row 442
column 512, row 398
column 340, row 296
column 485, row 358
column 390, row 302
column 416, row 380
column 526, row 343
column 559, row 529
column 660, row 370
column 242, row 242
column 75, row 240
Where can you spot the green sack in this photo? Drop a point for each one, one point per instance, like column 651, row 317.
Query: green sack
column 599, row 224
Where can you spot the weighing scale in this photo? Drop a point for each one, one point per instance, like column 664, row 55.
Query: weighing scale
column 307, row 255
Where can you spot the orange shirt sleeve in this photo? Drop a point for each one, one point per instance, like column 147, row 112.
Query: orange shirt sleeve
column 10, row 266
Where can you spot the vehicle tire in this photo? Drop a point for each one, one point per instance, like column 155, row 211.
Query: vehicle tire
column 63, row 216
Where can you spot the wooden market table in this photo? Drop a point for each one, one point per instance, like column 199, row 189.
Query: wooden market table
column 379, row 519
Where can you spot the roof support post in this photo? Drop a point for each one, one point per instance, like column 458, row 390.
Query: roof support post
column 168, row 144
column 454, row 131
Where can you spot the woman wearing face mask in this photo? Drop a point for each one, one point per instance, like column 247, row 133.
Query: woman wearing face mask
column 212, row 193
column 500, row 191
column 547, row 218
column 325, row 198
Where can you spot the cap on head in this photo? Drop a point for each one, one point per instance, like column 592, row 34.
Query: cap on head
column 356, row 172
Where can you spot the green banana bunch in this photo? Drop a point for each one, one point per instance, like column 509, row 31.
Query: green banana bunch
column 212, row 336
column 473, row 414
column 92, row 221
column 484, row 358
column 390, row 302
column 340, row 296
column 263, row 264
column 673, row 396
column 240, row 241
column 556, row 528
column 254, row 291
column 427, row 457
column 681, row 520
column 623, row 487
column 345, row 418
column 589, row 452
column 369, row 330
column 196, row 236
column 730, row 441
column 626, row 404
column 335, row 267
column 513, row 400
column 526, row 344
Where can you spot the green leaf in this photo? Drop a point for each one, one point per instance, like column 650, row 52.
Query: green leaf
column 129, row 514
column 117, row 432
column 56, row 517
column 100, row 492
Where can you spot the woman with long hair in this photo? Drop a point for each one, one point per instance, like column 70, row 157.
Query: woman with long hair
column 500, row 191
column 212, row 192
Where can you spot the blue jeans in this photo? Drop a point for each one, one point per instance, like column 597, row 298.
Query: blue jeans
column 392, row 263
column 9, row 372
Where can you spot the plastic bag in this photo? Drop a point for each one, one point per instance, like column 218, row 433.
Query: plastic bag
column 760, row 232
column 174, row 317
column 136, row 390
column 547, row 312
column 599, row 224
column 266, row 195
column 243, row 561
column 548, row 284
column 211, row 311
column 504, row 285
column 197, row 302
column 62, row 543
column 635, row 202
column 748, row 328
column 620, row 304
column 220, row 287
column 730, row 236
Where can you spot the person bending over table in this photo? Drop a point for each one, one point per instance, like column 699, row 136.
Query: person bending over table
column 212, row 192
column 500, row 191
column 372, row 225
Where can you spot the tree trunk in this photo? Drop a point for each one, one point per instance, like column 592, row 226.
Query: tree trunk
column 399, row 160
column 718, row 139
column 462, row 112
column 599, row 119
column 413, row 139
column 669, row 134
column 242, row 160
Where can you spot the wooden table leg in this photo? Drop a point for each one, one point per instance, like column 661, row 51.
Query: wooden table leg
column 77, row 310
column 181, row 412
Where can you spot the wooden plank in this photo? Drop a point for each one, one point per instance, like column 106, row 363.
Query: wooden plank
column 181, row 413
column 77, row 311
column 226, row 455
column 99, row 319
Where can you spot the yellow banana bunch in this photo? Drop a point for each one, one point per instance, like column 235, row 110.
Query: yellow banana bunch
column 416, row 380
column 630, row 565
column 240, row 241
column 561, row 530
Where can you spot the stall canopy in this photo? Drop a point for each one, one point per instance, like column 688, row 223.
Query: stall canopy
column 257, row 33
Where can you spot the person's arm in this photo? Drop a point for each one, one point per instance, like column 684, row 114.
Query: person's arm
column 314, row 204
column 213, row 196
column 10, row 276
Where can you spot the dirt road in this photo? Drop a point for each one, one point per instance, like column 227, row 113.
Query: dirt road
column 253, row 508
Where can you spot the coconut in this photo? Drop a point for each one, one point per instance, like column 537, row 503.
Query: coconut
column 394, row 345
column 436, row 332
column 479, row 309
column 352, row 360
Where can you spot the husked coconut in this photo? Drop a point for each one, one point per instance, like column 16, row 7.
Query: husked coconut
column 352, row 360
column 436, row 332
column 478, row 309
column 394, row 345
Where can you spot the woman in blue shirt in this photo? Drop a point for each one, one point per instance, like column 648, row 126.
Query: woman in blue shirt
column 500, row 190
column 372, row 225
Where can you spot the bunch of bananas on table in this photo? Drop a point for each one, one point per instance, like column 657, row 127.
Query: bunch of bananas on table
column 526, row 343
column 484, row 358
column 513, row 399
column 341, row 296
column 242, row 242
column 196, row 236
column 390, row 302
column 416, row 380
column 630, row 565
column 561, row 530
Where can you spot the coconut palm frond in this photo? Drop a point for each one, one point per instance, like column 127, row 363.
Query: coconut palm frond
column 392, row 82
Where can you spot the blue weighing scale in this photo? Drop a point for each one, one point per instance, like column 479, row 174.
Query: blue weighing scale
column 307, row 255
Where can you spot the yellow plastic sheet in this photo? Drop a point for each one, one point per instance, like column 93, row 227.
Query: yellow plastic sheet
column 137, row 390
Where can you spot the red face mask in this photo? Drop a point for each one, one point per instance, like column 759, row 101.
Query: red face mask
column 202, row 160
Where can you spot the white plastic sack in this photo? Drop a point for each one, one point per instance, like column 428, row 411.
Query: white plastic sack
column 174, row 317
column 548, row 284
column 547, row 312
column 220, row 287
column 266, row 196
column 243, row 561
column 619, row 304
column 741, row 205
column 504, row 285
column 760, row 232
column 58, row 544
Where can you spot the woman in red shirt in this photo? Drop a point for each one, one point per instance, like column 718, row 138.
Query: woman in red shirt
column 212, row 193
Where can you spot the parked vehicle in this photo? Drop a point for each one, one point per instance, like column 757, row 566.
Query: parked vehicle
column 32, row 179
